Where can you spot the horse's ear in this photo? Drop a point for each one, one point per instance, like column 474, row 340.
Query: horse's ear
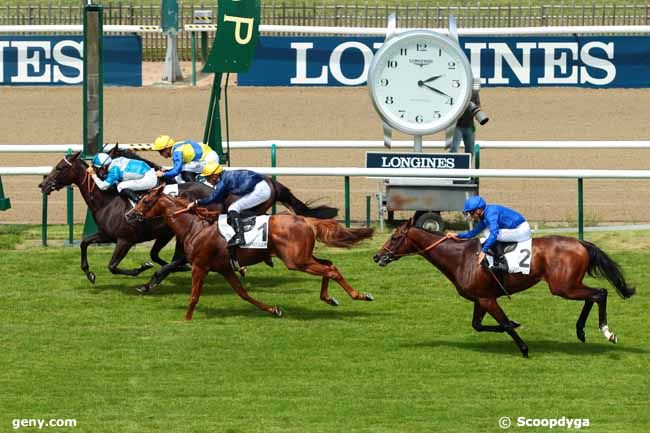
column 74, row 156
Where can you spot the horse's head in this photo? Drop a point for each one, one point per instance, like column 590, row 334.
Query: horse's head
column 63, row 174
column 148, row 206
column 396, row 246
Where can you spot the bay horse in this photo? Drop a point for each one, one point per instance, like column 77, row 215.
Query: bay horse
column 560, row 261
column 290, row 237
column 109, row 209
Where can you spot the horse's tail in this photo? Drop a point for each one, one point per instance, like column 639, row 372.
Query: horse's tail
column 286, row 197
column 600, row 264
column 333, row 234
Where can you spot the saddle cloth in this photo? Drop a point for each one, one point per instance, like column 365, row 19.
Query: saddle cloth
column 256, row 235
column 171, row 190
column 518, row 259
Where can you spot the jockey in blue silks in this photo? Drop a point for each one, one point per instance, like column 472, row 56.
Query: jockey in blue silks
column 248, row 185
column 130, row 175
column 502, row 223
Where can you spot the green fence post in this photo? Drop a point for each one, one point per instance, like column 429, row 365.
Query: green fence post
column 70, row 208
column 273, row 164
column 4, row 201
column 193, row 58
column 477, row 156
column 367, row 211
column 581, row 227
column 347, row 201
column 44, row 221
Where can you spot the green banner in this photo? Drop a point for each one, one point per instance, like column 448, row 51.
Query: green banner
column 169, row 16
column 237, row 33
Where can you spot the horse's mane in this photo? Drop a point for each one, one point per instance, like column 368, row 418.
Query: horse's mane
column 117, row 152
column 203, row 213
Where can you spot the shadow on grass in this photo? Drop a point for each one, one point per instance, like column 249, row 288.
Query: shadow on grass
column 535, row 346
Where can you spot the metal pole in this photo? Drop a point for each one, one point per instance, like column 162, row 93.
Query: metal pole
column 70, row 209
column 193, row 58
column 44, row 220
column 273, row 164
column 367, row 211
column 581, row 227
column 347, row 201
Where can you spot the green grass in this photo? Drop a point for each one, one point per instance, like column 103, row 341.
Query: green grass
column 408, row 362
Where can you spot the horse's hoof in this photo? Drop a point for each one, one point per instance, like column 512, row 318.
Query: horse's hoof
column 514, row 324
column 334, row 302
column 524, row 354
column 146, row 265
column 581, row 335
column 369, row 297
column 277, row 311
column 144, row 289
column 613, row 339
column 91, row 277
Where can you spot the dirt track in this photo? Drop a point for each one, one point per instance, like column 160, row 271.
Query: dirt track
column 39, row 115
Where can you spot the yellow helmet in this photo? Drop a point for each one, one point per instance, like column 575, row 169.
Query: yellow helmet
column 163, row 142
column 211, row 168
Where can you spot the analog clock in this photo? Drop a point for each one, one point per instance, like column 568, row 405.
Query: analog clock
column 420, row 82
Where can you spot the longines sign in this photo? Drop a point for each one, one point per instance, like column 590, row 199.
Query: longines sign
column 57, row 60
column 607, row 61
column 417, row 160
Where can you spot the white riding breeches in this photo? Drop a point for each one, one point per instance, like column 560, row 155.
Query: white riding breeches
column 197, row 166
column 518, row 234
column 259, row 195
column 145, row 183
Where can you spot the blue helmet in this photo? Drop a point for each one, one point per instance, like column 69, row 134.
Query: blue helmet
column 473, row 203
column 101, row 160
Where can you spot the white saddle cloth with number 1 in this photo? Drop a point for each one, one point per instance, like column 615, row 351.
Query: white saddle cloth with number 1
column 518, row 259
column 257, row 237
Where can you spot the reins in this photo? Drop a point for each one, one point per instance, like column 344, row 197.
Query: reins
column 430, row 247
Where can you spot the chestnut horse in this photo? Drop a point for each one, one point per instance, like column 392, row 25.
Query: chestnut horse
column 290, row 237
column 560, row 261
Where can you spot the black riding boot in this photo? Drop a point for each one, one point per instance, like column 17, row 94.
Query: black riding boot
column 235, row 222
column 130, row 194
column 188, row 176
column 500, row 262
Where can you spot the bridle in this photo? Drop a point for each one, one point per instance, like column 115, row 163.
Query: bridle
column 429, row 247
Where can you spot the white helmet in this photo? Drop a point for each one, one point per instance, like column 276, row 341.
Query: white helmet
column 101, row 160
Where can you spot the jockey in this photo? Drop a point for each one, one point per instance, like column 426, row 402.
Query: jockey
column 248, row 185
column 502, row 223
column 188, row 157
column 130, row 175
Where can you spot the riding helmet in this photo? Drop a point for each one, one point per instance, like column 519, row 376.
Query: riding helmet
column 101, row 160
column 473, row 203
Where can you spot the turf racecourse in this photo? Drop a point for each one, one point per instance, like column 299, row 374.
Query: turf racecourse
column 408, row 362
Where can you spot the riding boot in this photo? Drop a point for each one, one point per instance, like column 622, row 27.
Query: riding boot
column 130, row 195
column 235, row 222
column 188, row 176
column 500, row 264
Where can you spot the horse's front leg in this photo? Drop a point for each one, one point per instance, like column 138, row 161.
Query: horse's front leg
column 198, row 277
column 492, row 307
column 477, row 321
column 236, row 284
column 92, row 239
column 121, row 249
column 162, row 273
column 158, row 245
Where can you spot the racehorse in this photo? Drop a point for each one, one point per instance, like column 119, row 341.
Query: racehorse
column 560, row 261
column 109, row 209
column 290, row 237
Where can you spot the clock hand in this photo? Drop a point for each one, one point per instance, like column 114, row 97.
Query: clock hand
column 421, row 84
column 428, row 80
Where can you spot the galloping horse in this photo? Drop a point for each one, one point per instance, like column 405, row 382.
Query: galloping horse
column 291, row 238
column 108, row 209
column 560, row 261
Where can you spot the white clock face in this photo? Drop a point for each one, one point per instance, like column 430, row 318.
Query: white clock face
column 420, row 82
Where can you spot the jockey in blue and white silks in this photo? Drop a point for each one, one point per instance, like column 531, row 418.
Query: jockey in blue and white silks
column 500, row 224
column 248, row 185
column 130, row 175
column 189, row 157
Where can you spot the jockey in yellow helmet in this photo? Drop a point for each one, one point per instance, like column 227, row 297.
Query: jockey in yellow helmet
column 188, row 157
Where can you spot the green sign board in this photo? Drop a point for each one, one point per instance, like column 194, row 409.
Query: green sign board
column 169, row 16
column 237, row 33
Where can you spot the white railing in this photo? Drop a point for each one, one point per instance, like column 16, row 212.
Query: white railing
column 350, row 144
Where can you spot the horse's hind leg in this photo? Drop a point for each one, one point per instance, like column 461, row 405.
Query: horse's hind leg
column 121, row 249
column 492, row 307
column 324, row 292
column 93, row 239
column 236, row 284
column 326, row 269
